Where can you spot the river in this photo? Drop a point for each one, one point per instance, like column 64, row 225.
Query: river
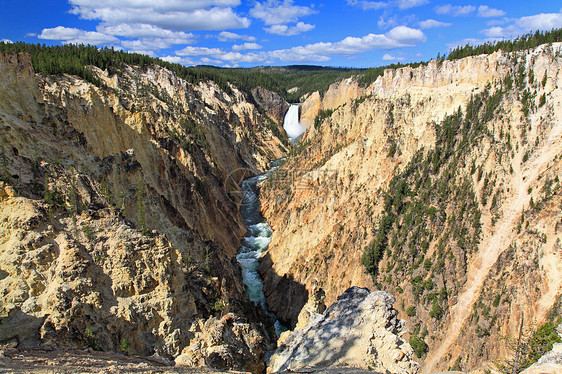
column 257, row 240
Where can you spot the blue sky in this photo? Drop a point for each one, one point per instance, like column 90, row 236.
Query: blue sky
column 354, row 33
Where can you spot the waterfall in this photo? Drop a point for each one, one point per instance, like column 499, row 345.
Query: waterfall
column 292, row 126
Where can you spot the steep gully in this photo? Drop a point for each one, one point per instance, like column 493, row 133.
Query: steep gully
column 259, row 231
column 498, row 242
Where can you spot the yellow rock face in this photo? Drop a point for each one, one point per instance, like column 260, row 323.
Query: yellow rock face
column 116, row 230
column 326, row 203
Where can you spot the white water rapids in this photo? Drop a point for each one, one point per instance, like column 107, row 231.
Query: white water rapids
column 257, row 240
column 291, row 124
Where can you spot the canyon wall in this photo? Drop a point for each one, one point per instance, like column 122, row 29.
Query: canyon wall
column 443, row 181
column 118, row 227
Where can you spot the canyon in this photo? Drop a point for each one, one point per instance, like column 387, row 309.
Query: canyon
column 116, row 229
column 444, row 179
column 413, row 227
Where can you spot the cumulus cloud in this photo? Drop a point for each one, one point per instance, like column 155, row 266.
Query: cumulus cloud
column 275, row 12
column 487, row 12
column 76, row 36
column 220, row 54
column 178, row 60
column 210, row 61
column 285, row 30
column 400, row 36
column 227, row 36
column 151, row 38
column 199, row 51
column 455, row 10
column 237, row 57
column 389, row 57
column 175, row 15
column 431, row 24
column 246, row 46
column 146, row 31
column 149, row 25
column 542, row 21
column 6, row 41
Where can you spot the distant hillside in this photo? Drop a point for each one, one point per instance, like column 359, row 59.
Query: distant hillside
column 290, row 82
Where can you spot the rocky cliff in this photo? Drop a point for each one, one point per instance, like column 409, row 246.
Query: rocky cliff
column 118, row 228
column 443, row 181
column 360, row 330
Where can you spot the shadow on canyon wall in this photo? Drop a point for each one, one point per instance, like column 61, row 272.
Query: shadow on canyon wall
column 285, row 297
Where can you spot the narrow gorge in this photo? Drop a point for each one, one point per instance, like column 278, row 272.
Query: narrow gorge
column 401, row 220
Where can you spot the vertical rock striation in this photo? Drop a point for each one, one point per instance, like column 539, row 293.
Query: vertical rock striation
column 448, row 176
column 118, row 229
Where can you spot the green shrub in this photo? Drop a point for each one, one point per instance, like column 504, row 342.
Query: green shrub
column 436, row 310
column 419, row 346
column 124, row 347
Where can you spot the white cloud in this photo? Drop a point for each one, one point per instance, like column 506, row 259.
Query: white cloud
column 199, row 51
column 178, row 60
column 275, row 12
column 400, row 36
column 455, row 10
column 145, row 45
column 7, row 41
column 147, row 31
column 406, row 4
column 210, row 61
column 220, row 54
column 543, row 22
column 487, row 12
column 501, row 32
column 149, row 25
column 151, row 38
column 388, row 22
column 469, row 41
column 236, row 57
column 388, row 57
column 406, row 36
column 142, row 51
column 246, row 46
column 431, row 23
column 172, row 14
column 368, row 5
column 376, row 5
column 289, row 30
column 76, row 36
column 226, row 36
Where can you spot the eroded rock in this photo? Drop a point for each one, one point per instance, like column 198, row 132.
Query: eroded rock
column 360, row 330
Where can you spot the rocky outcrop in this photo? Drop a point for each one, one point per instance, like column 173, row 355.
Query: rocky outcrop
column 314, row 305
column 550, row 363
column 273, row 104
column 117, row 228
column 462, row 157
column 337, row 94
column 226, row 343
column 361, row 330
